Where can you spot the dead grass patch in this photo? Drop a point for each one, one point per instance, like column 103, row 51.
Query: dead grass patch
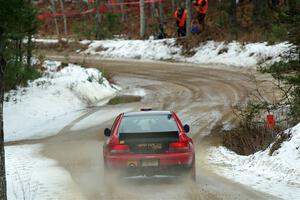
column 124, row 99
column 61, row 46
column 100, row 48
column 282, row 137
column 248, row 140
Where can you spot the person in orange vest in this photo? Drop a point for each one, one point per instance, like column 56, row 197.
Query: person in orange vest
column 201, row 7
column 180, row 15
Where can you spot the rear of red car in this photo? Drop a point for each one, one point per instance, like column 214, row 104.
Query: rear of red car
column 152, row 142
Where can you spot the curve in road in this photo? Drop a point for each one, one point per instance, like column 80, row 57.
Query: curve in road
column 202, row 97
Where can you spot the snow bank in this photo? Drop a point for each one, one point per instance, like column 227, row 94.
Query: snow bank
column 45, row 41
column 237, row 54
column 49, row 41
column 277, row 174
column 231, row 54
column 62, row 93
column 30, row 176
column 134, row 49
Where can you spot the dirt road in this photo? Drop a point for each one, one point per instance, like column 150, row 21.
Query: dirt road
column 201, row 96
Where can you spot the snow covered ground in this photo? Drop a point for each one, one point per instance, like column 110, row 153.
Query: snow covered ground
column 31, row 176
column 42, row 109
column 50, row 102
column 211, row 52
column 277, row 174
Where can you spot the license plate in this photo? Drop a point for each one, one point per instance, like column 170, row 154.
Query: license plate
column 150, row 146
column 150, row 163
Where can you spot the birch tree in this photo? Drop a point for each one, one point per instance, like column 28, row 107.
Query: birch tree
column 142, row 19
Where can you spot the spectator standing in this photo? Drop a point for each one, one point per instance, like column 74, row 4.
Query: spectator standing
column 180, row 15
column 201, row 7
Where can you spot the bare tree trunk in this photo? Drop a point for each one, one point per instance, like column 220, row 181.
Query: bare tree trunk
column 29, row 47
column 142, row 19
column 173, row 6
column 20, row 44
column 98, row 20
column 79, row 2
column 3, row 193
column 152, row 10
column 161, row 13
column 232, row 18
column 64, row 17
column 123, row 14
column 29, row 50
column 188, row 17
column 232, row 13
column 55, row 20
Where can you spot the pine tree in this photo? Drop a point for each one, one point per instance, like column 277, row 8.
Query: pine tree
column 261, row 13
column 289, row 72
column 6, row 18
column 17, row 21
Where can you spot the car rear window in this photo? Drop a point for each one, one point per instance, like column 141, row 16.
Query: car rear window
column 148, row 124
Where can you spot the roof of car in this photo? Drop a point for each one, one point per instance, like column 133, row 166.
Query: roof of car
column 147, row 113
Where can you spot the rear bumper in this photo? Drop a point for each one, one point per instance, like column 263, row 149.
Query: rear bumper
column 167, row 160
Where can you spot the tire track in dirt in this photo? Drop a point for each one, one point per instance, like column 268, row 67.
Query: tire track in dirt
column 199, row 95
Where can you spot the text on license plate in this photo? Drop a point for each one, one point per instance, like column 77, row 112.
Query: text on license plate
column 150, row 163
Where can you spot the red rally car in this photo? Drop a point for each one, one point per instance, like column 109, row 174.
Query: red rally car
column 149, row 143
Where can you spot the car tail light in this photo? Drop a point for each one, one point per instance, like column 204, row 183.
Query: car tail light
column 119, row 148
column 179, row 146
